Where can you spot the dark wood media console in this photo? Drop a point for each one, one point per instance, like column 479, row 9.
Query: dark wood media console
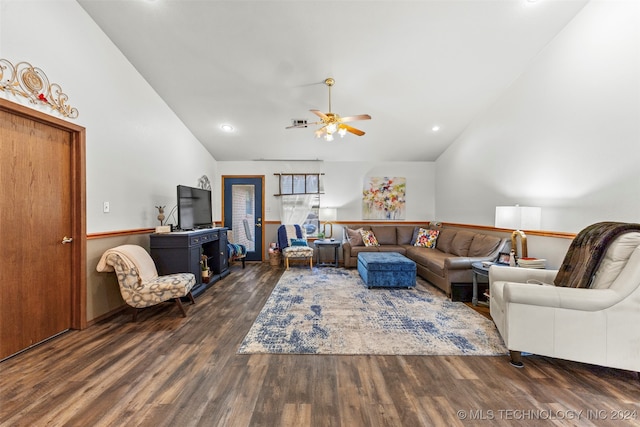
column 179, row 252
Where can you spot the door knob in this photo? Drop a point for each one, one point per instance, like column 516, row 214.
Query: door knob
column 66, row 239
column 259, row 223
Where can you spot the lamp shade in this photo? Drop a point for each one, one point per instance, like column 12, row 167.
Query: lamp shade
column 328, row 214
column 518, row 217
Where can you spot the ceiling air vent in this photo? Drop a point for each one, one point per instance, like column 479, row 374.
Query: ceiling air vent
column 299, row 122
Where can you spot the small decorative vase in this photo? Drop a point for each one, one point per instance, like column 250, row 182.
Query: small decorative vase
column 160, row 214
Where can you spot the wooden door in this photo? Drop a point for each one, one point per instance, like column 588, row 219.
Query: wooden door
column 39, row 274
column 243, row 198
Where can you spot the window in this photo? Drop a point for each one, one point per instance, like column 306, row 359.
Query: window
column 300, row 200
column 299, row 183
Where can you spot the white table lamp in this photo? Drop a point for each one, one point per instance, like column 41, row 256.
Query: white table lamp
column 327, row 217
column 518, row 218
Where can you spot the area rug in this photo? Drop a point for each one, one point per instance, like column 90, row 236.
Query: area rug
column 331, row 311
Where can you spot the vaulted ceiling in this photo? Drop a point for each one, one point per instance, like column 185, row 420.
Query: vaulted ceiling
column 257, row 65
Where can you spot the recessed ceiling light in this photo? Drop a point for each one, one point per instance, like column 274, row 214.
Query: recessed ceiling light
column 226, row 128
column 435, row 128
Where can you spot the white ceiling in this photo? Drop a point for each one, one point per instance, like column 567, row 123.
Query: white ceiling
column 259, row 64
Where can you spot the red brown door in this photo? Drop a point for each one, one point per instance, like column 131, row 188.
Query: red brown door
column 38, row 293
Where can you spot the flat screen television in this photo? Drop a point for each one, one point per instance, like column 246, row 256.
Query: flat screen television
column 194, row 208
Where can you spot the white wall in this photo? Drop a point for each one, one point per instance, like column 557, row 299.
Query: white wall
column 343, row 184
column 137, row 149
column 565, row 136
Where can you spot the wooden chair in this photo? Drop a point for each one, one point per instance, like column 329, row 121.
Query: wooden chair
column 293, row 244
column 236, row 251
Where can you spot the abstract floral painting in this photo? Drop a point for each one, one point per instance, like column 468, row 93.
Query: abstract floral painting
column 384, row 198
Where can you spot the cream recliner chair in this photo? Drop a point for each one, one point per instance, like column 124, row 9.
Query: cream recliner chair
column 599, row 324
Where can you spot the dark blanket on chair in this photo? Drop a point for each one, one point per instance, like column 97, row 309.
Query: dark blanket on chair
column 586, row 251
column 283, row 239
column 234, row 250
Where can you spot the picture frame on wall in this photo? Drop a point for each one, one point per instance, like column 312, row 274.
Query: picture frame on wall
column 383, row 198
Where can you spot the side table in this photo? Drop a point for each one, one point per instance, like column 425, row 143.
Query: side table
column 328, row 244
column 478, row 270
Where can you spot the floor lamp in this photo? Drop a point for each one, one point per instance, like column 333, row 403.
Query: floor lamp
column 518, row 218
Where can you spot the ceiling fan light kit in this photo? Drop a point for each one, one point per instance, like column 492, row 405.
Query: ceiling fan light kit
column 331, row 122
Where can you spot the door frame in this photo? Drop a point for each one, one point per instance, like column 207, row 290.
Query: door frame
column 262, row 231
column 78, row 315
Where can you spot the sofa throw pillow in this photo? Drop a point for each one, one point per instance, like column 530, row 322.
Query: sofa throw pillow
column 414, row 236
column 298, row 242
column 426, row 238
column 355, row 237
column 369, row 238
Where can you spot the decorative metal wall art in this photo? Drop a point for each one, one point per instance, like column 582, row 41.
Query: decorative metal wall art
column 204, row 183
column 31, row 82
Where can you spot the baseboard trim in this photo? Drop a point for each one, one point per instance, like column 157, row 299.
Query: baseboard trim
column 106, row 315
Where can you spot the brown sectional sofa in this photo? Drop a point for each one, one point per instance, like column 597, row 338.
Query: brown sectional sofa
column 448, row 263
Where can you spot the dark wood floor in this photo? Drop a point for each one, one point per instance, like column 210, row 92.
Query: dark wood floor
column 165, row 370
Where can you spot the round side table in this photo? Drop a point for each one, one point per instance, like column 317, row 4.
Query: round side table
column 478, row 270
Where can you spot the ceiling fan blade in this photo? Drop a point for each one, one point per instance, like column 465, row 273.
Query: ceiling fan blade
column 350, row 129
column 354, row 118
column 319, row 114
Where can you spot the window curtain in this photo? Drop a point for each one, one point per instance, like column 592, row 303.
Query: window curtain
column 295, row 209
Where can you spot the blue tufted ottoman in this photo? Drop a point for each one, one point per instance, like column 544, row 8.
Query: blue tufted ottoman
column 386, row 269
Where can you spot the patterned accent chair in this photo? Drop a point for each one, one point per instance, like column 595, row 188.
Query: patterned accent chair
column 293, row 244
column 139, row 282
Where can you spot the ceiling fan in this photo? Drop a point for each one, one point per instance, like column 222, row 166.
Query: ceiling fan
column 332, row 122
